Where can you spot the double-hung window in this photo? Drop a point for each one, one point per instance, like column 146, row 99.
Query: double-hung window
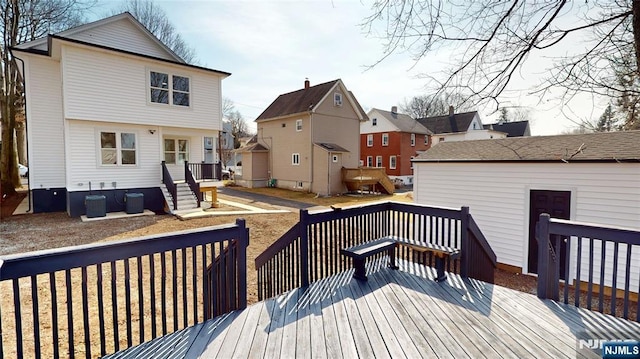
column 369, row 140
column 169, row 89
column 176, row 150
column 378, row 161
column 369, row 161
column 413, row 139
column 385, row 139
column 298, row 125
column 295, row 159
column 426, row 139
column 392, row 162
column 117, row 148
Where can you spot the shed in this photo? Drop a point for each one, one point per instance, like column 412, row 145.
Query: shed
column 508, row 182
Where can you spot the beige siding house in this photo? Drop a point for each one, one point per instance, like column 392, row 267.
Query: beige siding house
column 304, row 139
column 508, row 182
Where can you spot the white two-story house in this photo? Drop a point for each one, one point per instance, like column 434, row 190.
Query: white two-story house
column 107, row 103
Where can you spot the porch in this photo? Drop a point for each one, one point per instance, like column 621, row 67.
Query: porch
column 396, row 314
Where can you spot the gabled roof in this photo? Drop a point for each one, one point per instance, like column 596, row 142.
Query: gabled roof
column 43, row 46
column 512, row 129
column 445, row 124
column 304, row 100
column 593, row 147
column 403, row 122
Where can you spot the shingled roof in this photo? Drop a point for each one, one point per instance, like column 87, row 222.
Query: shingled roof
column 404, row 123
column 512, row 129
column 302, row 100
column 593, row 147
column 445, row 124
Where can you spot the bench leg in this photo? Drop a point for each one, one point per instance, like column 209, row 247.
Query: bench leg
column 440, row 269
column 392, row 258
column 360, row 272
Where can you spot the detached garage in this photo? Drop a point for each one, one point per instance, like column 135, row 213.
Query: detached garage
column 508, row 182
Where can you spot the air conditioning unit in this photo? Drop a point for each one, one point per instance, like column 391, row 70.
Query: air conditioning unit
column 135, row 202
column 96, row 206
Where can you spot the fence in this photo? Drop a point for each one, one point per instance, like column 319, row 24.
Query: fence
column 598, row 260
column 310, row 250
column 102, row 298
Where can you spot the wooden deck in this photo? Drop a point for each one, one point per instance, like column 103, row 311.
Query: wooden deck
column 396, row 314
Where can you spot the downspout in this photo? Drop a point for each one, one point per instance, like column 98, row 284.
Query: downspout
column 311, row 147
column 26, row 127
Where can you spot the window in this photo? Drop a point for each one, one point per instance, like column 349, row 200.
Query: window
column 385, row 139
column 412, row 157
column 337, row 99
column 413, row 139
column 378, row 161
column 299, row 184
column 374, row 122
column 117, row 148
column 298, row 125
column 361, row 163
column 160, row 92
column 392, row 162
column 295, row 159
column 369, row 161
column 426, row 139
column 441, row 139
column 176, row 151
column 335, row 158
column 369, row 140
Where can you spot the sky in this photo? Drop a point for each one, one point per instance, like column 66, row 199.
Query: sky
column 270, row 47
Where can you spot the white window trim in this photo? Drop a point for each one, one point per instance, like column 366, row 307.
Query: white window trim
column 413, row 140
column 298, row 125
column 294, row 157
column 337, row 99
column 335, row 158
column 176, row 152
column 385, row 136
column 118, row 148
column 169, row 88
column 379, row 163
column 369, row 140
column 426, row 139
column 393, row 162
column 369, row 161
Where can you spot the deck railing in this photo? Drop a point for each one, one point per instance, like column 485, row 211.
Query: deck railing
column 171, row 186
column 205, row 171
column 191, row 181
column 95, row 299
column 310, row 250
column 598, row 260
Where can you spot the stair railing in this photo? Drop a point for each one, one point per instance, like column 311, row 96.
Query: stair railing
column 171, row 187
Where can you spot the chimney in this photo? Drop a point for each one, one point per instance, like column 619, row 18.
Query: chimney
column 452, row 120
column 306, row 83
column 450, row 110
column 394, row 109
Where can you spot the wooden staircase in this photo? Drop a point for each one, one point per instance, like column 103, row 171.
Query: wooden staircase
column 187, row 202
column 371, row 178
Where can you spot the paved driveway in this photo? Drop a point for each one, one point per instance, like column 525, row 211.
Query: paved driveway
column 276, row 201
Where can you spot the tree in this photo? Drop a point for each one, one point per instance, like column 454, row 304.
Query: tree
column 607, row 120
column 433, row 105
column 513, row 114
column 492, row 40
column 155, row 19
column 239, row 127
column 21, row 21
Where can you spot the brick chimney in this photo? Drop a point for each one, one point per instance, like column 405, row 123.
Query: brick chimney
column 306, row 83
column 394, row 109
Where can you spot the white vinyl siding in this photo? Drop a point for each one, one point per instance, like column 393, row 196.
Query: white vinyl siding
column 105, row 86
column 123, row 35
column 498, row 196
column 46, row 127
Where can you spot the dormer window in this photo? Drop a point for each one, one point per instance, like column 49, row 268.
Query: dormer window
column 374, row 122
column 337, row 99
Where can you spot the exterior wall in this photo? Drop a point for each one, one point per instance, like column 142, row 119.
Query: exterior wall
column 124, row 35
column 282, row 140
column 111, row 87
column 399, row 146
column 498, row 197
column 383, row 125
column 468, row 136
column 45, row 127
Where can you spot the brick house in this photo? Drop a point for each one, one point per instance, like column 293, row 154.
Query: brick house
column 390, row 140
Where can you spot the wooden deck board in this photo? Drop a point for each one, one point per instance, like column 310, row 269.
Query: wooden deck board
column 397, row 314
